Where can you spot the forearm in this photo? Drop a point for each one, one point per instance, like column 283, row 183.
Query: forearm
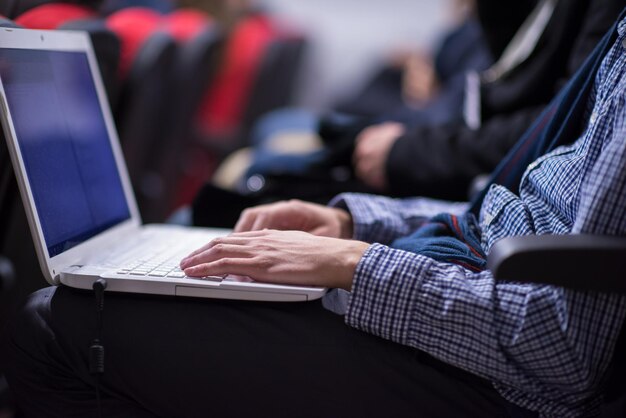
column 442, row 161
column 383, row 219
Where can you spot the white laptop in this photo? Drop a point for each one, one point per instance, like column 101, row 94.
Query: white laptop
column 74, row 183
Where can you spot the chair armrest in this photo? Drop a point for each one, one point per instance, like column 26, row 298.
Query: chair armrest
column 584, row 262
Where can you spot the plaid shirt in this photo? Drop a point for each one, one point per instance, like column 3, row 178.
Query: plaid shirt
column 543, row 347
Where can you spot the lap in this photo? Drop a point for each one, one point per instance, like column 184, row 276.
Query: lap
column 197, row 357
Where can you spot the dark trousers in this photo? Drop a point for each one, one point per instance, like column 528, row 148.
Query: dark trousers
column 176, row 357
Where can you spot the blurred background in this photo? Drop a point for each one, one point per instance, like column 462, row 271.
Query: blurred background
column 188, row 80
column 351, row 39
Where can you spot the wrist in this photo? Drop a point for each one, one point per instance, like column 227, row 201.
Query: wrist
column 346, row 227
column 351, row 258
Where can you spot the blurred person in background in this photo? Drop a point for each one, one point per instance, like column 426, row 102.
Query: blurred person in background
column 539, row 45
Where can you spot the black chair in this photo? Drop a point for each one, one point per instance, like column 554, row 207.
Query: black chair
column 269, row 69
column 273, row 87
column 276, row 80
column 13, row 8
column 570, row 261
column 143, row 124
column 197, row 62
column 6, row 8
column 144, row 101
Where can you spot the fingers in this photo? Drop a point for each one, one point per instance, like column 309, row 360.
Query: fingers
column 263, row 220
column 279, row 257
column 236, row 254
column 271, row 216
column 227, row 255
column 247, row 219
column 222, row 243
column 224, row 266
column 256, row 219
column 198, row 251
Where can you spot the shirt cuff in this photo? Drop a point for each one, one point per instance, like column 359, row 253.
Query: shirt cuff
column 384, row 287
column 371, row 217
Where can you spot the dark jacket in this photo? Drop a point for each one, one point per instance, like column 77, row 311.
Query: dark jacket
column 442, row 161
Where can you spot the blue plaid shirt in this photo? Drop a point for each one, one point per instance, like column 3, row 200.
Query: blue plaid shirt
column 543, row 347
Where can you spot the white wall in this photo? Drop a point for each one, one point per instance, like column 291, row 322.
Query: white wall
column 349, row 37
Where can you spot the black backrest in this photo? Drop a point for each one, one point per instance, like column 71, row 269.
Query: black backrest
column 276, row 80
column 141, row 115
column 197, row 61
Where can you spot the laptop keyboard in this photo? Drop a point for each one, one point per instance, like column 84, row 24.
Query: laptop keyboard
column 159, row 261
column 153, row 267
column 160, row 265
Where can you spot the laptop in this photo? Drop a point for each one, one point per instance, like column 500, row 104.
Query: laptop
column 75, row 186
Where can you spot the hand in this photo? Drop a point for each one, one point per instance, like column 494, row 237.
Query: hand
column 286, row 257
column 297, row 215
column 372, row 149
column 419, row 83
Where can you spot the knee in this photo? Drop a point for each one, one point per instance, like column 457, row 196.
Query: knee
column 27, row 341
column 31, row 321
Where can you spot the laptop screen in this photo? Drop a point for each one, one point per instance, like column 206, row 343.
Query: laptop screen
column 64, row 144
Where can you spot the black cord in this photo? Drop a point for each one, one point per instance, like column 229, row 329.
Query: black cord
column 96, row 351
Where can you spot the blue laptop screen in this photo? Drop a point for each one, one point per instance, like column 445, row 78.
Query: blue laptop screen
column 64, row 144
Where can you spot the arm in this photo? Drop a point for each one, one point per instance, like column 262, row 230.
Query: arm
column 546, row 342
column 382, row 219
column 519, row 336
column 442, row 161
column 303, row 243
